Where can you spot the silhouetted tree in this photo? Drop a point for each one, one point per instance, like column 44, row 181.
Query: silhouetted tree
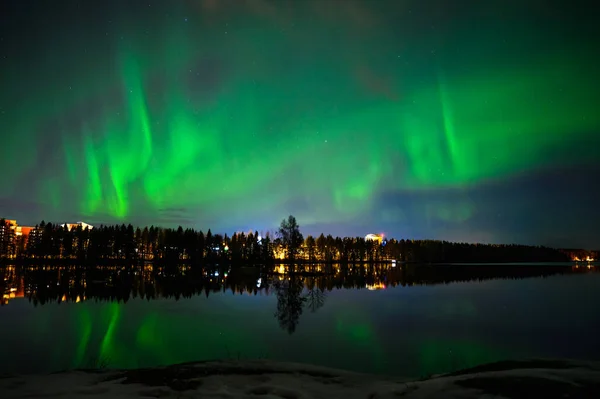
column 290, row 235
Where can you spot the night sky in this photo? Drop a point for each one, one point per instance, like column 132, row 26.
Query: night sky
column 459, row 120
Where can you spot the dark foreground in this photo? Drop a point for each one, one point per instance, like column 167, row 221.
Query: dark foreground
column 253, row 379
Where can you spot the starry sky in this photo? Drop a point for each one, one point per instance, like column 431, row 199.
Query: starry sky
column 464, row 120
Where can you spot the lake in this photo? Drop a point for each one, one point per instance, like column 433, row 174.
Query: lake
column 410, row 320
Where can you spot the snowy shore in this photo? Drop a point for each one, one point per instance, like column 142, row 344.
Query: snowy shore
column 267, row 379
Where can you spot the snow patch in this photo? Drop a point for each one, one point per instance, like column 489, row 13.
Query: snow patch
column 267, row 379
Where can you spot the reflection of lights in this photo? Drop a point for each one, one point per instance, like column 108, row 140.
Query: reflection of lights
column 373, row 287
column 259, row 282
column 582, row 259
column 280, row 269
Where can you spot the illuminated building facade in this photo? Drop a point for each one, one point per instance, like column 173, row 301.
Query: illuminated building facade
column 6, row 237
column 13, row 238
column 374, row 237
column 83, row 225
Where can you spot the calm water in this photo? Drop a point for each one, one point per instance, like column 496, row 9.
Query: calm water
column 406, row 321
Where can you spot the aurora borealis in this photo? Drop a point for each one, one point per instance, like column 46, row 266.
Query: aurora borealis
column 469, row 121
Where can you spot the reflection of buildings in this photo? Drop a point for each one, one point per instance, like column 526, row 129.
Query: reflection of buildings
column 283, row 268
column 377, row 286
column 583, row 259
column 14, row 285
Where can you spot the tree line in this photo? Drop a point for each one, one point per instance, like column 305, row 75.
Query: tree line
column 125, row 244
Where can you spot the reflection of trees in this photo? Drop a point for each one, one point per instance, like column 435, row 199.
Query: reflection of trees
column 315, row 299
column 41, row 285
column 289, row 303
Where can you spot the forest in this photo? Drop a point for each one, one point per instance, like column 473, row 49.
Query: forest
column 124, row 244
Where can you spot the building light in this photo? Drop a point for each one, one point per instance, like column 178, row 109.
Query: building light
column 374, row 237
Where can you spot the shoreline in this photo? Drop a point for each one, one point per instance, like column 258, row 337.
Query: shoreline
column 183, row 262
column 251, row 378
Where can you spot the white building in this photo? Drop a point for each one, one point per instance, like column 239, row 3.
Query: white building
column 374, row 237
column 83, row 225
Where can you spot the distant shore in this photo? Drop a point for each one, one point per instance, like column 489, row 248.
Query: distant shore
column 276, row 262
column 81, row 243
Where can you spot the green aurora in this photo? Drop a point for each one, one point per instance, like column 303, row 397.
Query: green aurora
column 145, row 334
column 204, row 111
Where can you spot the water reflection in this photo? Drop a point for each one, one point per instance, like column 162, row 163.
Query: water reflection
column 351, row 318
column 290, row 303
column 294, row 292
